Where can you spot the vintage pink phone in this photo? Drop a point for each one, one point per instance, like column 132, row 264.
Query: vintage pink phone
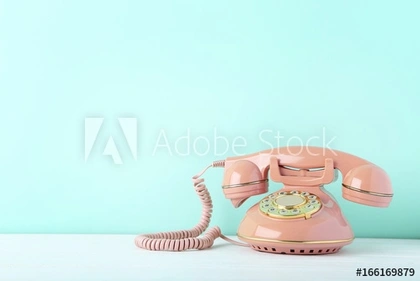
column 300, row 218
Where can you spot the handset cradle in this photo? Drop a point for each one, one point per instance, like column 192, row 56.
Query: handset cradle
column 328, row 174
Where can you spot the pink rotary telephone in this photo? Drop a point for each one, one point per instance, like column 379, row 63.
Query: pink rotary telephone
column 301, row 218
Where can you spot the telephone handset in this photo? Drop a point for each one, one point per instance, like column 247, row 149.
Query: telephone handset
column 300, row 218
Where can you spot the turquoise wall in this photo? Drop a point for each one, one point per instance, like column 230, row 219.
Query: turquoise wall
column 341, row 73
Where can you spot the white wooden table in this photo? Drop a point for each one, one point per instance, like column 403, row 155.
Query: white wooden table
column 115, row 257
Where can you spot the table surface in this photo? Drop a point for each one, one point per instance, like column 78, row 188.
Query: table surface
column 115, row 257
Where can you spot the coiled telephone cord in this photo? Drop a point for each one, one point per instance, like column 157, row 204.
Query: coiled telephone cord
column 188, row 239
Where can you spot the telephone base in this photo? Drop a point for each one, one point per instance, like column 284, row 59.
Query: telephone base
column 299, row 249
column 295, row 247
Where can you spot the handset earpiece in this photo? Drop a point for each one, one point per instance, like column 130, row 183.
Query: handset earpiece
column 242, row 180
column 369, row 185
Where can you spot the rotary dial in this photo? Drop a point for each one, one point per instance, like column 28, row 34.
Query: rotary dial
column 290, row 204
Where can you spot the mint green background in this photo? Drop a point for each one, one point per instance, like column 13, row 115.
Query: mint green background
column 346, row 68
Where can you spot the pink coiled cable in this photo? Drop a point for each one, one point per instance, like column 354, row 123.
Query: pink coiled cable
column 188, row 239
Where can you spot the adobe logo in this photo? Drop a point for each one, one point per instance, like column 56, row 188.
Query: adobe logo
column 128, row 128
